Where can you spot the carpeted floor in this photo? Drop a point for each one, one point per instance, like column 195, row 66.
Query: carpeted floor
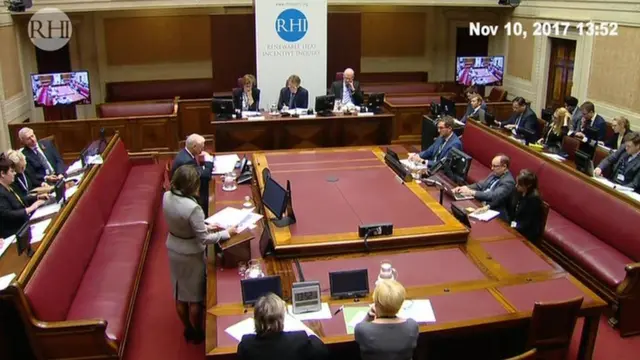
column 156, row 332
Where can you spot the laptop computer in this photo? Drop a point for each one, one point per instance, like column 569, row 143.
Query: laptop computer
column 448, row 190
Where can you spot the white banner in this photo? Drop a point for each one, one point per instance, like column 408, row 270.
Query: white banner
column 291, row 39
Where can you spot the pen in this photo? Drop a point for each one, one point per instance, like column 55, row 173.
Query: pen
column 339, row 309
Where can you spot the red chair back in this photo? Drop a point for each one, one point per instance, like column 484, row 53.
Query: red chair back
column 552, row 326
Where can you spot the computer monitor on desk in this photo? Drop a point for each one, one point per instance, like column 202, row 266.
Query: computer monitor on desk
column 279, row 202
column 429, row 132
column 448, row 107
column 458, row 166
column 374, row 103
column 324, row 105
column 223, row 109
column 584, row 163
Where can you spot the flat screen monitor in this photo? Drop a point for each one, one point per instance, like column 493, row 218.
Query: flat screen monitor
column 253, row 289
column 349, row 284
column 429, row 133
column 274, row 197
column 66, row 88
column 584, row 163
column 460, row 215
column 222, row 108
column 324, row 104
column 448, row 107
column 23, row 239
column 480, row 70
column 592, row 133
column 459, row 165
column 374, row 102
column 489, row 119
column 588, row 148
column 392, row 154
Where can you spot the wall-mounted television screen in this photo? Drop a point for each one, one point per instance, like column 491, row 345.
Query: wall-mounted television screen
column 70, row 88
column 480, row 70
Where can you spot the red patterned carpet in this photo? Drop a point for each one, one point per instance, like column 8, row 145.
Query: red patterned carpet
column 156, row 332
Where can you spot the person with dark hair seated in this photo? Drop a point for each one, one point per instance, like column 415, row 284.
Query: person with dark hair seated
column 571, row 104
column 293, row 96
column 442, row 146
column 624, row 163
column 15, row 210
column 525, row 209
column 524, row 121
column 247, row 98
column 621, row 128
column 271, row 342
column 557, row 129
column 44, row 163
column 589, row 120
column 471, row 92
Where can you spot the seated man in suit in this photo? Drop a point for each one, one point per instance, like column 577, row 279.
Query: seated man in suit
column 471, row 92
column 589, row 119
column 348, row 90
column 44, row 163
column 441, row 147
column 190, row 155
column 293, row 96
column 571, row 104
column 523, row 122
column 496, row 189
column 625, row 163
column 477, row 111
column 247, row 97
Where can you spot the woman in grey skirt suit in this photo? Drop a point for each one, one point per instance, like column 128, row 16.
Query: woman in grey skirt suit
column 186, row 245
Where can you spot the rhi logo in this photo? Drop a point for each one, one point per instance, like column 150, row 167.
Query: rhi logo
column 291, row 25
column 50, row 29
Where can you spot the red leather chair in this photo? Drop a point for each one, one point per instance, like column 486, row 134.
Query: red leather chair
column 552, row 326
column 529, row 355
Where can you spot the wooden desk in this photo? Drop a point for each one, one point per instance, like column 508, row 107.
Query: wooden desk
column 491, row 281
column 277, row 132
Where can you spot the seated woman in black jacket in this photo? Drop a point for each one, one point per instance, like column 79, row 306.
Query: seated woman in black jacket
column 270, row 342
column 555, row 131
column 15, row 210
column 525, row 209
column 621, row 127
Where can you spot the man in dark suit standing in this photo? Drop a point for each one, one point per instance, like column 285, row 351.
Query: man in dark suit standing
column 44, row 163
column 625, row 162
column 348, row 90
column 523, row 122
column 442, row 146
column 496, row 189
column 589, row 120
column 293, row 96
column 190, row 155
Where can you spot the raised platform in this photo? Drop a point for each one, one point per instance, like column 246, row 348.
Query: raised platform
column 336, row 190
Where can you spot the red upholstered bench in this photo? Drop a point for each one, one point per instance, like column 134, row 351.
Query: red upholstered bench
column 589, row 230
column 90, row 273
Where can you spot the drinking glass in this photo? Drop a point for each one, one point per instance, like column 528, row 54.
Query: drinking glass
column 242, row 268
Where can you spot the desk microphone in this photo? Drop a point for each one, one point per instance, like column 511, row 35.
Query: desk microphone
column 299, row 269
column 366, row 242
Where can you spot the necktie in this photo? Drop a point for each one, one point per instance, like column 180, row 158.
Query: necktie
column 518, row 121
column 346, row 95
column 44, row 161
column 17, row 196
column 23, row 182
column 492, row 183
column 291, row 100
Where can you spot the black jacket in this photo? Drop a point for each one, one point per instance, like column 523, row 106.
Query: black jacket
column 237, row 99
column 13, row 213
column 527, row 213
column 337, row 88
column 184, row 158
column 300, row 99
column 295, row 345
column 36, row 171
column 527, row 126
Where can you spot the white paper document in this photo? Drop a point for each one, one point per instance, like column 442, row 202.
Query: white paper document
column 484, row 216
column 76, row 178
column 555, row 157
column 223, row 164
column 76, row 166
column 366, row 114
column 70, row 191
column 246, row 326
column 247, row 114
column 44, row 211
column 6, row 280
column 6, row 243
column 323, row 313
column 38, row 230
column 418, row 310
column 307, row 116
column 256, row 118
column 94, row 160
column 357, row 318
column 413, row 165
column 229, row 217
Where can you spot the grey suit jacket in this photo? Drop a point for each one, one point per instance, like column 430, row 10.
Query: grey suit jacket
column 498, row 197
column 631, row 171
column 187, row 231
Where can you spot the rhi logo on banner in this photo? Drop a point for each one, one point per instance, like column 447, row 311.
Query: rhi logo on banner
column 50, row 29
column 292, row 25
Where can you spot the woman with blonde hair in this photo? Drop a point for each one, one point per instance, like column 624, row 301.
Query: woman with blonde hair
column 557, row 129
column 621, row 127
column 271, row 341
column 186, row 243
column 23, row 184
column 247, row 97
column 383, row 335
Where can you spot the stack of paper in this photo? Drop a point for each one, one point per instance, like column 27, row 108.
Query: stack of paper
column 70, row 191
column 418, row 310
column 76, row 178
column 45, row 211
column 413, row 165
column 6, row 280
column 485, row 215
column 38, row 230
column 76, row 166
column 555, row 157
column 94, row 160
column 223, row 164
column 6, row 243
column 353, row 315
column 230, row 217
column 246, row 326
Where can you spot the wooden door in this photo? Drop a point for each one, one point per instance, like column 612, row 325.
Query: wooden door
column 560, row 80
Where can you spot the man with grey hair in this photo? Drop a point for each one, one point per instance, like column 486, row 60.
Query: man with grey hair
column 347, row 90
column 44, row 163
column 193, row 154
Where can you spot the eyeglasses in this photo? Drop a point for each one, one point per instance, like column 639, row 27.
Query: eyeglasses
column 493, row 166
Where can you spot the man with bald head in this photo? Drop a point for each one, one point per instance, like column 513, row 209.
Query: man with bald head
column 44, row 163
column 193, row 154
column 347, row 90
column 496, row 189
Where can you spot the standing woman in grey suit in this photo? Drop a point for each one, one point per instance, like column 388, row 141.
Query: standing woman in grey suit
column 186, row 244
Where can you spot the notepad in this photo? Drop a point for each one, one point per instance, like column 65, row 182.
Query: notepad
column 247, row 326
column 484, row 216
column 418, row 310
column 6, row 280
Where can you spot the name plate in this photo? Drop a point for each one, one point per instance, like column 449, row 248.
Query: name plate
column 366, row 114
